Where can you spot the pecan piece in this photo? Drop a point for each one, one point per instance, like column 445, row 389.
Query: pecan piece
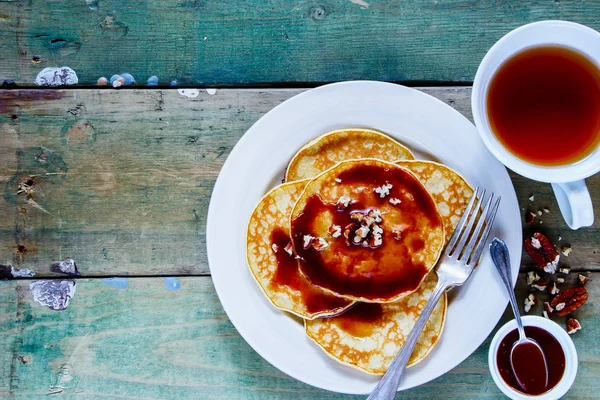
column 573, row 326
column 542, row 252
column 530, row 301
column 541, row 285
column 583, row 280
column 529, row 218
column 569, row 300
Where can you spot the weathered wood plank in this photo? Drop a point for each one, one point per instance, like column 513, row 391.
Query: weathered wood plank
column 120, row 181
column 147, row 342
column 250, row 42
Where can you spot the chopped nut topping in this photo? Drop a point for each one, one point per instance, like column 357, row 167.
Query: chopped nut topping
column 532, row 277
column 541, row 286
column 554, row 290
column 320, row 244
column 384, row 190
column 376, row 215
column 548, row 308
column 357, row 217
column 335, row 231
column 573, row 326
column 395, row 201
column 532, row 198
column 275, row 248
column 564, row 270
column 289, row 249
column 566, row 250
column 307, row 241
column 559, row 306
column 583, row 279
column 560, row 280
column 546, row 210
column 397, row 234
column 338, row 180
column 529, row 302
column 530, row 218
column 362, row 232
column 539, row 213
column 343, row 202
column 559, row 238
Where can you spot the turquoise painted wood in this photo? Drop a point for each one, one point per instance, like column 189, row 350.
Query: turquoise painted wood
column 252, row 42
column 121, row 179
column 149, row 342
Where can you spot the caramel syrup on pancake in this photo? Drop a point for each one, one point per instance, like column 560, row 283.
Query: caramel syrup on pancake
column 395, row 270
column 543, row 105
column 360, row 319
column 287, row 274
column 555, row 360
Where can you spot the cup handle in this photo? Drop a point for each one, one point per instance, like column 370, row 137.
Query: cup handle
column 575, row 203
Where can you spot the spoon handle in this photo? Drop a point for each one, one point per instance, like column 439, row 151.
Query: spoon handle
column 499, row 253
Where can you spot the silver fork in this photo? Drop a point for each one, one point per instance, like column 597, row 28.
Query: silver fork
column 455, row 266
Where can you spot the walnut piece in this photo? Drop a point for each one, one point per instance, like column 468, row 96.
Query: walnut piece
column 395, row 201
column 554, row 290
column 275, row 248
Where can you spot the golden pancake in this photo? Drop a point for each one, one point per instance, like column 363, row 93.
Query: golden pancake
column 449, row 190
column 366, row 230
column 334, row 147
column 276, row 270
column 368, row 336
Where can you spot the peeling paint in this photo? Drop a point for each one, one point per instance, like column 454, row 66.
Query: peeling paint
column 65, row 267
column 191, row 93
column 10, row 272
column 172, row 284
column 361, row 3
column 92, row 4
column 21, row 273
column 54, row 294
column 119, row 283
column 211, row 91
column 56, row 76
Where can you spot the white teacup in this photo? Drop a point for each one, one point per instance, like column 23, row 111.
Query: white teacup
column 567, row 180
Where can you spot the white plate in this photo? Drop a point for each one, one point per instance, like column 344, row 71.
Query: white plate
column 430, row 128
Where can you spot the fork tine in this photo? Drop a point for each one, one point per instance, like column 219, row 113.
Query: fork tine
column 486, row 232
column 473, row 241
column 461, row 223
column 469, row 228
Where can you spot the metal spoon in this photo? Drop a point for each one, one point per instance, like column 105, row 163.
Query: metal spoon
column 499, row 253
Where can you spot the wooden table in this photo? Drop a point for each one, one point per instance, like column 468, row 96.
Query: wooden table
column 120, row 180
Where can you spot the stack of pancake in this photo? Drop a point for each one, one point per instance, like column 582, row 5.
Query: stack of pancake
column 349, row 241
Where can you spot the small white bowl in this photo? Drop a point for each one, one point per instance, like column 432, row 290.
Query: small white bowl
column 567, row 345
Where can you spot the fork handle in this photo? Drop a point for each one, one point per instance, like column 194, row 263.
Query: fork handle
column 388, row 385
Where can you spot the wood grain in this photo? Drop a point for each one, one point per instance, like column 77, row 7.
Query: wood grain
column 121, row 180
column 273, row 41
column 147, row 342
